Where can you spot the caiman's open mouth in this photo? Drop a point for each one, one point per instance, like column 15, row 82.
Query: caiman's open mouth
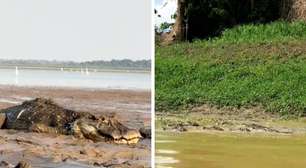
column 97, row 131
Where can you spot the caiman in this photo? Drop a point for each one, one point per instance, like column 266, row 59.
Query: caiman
column 44, row 116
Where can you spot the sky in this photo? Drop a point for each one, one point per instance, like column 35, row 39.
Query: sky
column 165, row 9
column 75, row 30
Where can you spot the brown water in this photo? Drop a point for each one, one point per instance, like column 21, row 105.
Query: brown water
column 192, row 150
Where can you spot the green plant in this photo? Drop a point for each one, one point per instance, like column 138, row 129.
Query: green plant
column 246, row 66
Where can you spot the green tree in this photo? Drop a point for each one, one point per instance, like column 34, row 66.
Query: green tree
column 207, row 18
column 164, row 26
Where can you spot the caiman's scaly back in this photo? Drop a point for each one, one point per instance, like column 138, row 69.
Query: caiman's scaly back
column 44, row 116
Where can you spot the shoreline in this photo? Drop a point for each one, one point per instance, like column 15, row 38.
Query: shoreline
column 244, row 121
column 75, row 88
column 74, row 69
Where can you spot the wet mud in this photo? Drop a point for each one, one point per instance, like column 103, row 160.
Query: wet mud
column 132, row 108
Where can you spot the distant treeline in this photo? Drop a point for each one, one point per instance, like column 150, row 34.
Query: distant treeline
column 113, row 64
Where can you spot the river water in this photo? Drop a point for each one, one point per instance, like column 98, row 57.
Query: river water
column 58, row 78
column 200, row 150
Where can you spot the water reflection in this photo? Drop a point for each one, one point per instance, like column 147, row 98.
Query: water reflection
column 16, row 80
column 165, row 157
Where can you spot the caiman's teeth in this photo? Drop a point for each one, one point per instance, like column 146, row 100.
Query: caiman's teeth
column 121, row 141
column 133, row 141
column 127, row 141
column 132, row 134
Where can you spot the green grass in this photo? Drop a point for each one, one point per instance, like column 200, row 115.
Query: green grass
column 276, row 31
column 249, row 65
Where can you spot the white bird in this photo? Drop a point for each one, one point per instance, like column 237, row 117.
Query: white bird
column 16, row 75
column 16, row 71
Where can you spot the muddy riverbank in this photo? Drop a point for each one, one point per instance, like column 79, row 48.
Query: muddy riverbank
column 227, row 120
column 132, row 108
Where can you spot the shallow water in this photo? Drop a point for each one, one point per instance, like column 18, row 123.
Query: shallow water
column 102, row 80
column 192, row 150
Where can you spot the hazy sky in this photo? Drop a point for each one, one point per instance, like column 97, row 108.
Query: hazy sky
column 158, row 2
column 165, row 9
column 76, row 30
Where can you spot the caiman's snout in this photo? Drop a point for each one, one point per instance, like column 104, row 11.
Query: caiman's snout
column 110, row 130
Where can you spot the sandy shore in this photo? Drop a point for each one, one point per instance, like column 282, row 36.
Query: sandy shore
column 130, row 107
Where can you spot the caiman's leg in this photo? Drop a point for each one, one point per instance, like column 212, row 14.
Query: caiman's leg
column 81, row 128
column 2, row 119
column 42, row 128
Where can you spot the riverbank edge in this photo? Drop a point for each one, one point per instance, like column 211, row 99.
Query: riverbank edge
column 147, row 91
column 74, row 69
column 246, row 120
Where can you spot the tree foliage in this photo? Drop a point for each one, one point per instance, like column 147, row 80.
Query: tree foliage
column 206, row 18
column 165, row 25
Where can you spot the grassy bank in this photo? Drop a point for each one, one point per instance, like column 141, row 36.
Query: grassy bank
column 247, row 66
